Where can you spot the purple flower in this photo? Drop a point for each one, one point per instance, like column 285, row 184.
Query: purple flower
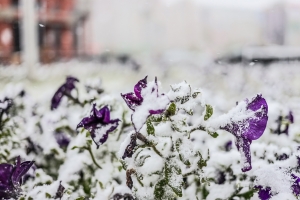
column 63, row 90
column 60, row 191
column 290, row 117
column 130, row 147
column 228, row 145
column 62, row 139
column 296, row 187
column 286, row 121
column 249, row 128
column 145, row 101
column 11, row 178
column 264, row 193
column 135, row 99
column 283, row 156
column 220, row 177
column 99, row 124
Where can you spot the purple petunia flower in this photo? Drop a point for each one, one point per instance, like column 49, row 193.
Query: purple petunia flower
column 62, row 139
column 11, row 178
column 99, row 124
column 135, row 99
column 296, row 185
column 264, row 193
column 283, row 123
column 145, row 101
column 228, row 145
column 63, row 90
column 247, row 125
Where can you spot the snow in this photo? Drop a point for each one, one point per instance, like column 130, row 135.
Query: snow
column 220, row 90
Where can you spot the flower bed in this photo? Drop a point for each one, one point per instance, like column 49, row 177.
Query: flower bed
column 146, row 144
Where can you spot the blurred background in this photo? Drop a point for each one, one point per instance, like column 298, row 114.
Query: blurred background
column 235, row 46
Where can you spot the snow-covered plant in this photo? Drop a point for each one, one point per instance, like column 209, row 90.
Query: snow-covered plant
column 91, row 144
column 159, row 155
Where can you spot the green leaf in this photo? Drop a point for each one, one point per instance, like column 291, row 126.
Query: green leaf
column 172, row 109
column 75, row 147
column 247, row 195
column 205, row 193
column 101, row 185
column 176, row 190
column 177, row 144
column 195, row 94
column 89, row 142
column 80, row 198
column 159, row 189
column 47, row 195
column 214, row 134
column 202, row 162
column 209, row 111
column 142, row 160
column 150, row 128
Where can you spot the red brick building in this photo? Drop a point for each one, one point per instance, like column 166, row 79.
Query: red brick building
column 58, row 24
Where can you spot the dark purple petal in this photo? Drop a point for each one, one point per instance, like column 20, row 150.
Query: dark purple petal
column 154, row 112
column 70, row 82
column 296, row 187
column 11, row 178
column 264, row 193
column 67, row 87
column 228, row 146
column 243, row 145
column 135, row 99
column 5, row 174
column 62, row 139
column 282, row 157
column 103, row 113
column 20, row 170
column 131, row 100
column 99, row 124
column 258, row 124
column 220, row 177
column 139, row 86
column 100, row 133
column 290, row 117
column 60, row 191
column 249, row 129
column 130, row 147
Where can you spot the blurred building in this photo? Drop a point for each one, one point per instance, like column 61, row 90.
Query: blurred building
column 59, row 23
column 9, row 31
column 213, row 26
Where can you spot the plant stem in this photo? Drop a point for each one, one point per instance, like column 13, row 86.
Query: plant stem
column 75, row 100
column 92, row 155
column 189, row 173
column 124, row 125
column 144, row 139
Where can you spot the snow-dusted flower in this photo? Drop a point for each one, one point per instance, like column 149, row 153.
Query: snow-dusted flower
column 135, row 99
column 249, row 128
column 228, row 145
column 11, row 178
column 62, row 139
column 99, row 124
column 296, row 185
column 145, row 101
column 264, row 193
column 130, row 147
column 66, row 88
column 286, row 121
